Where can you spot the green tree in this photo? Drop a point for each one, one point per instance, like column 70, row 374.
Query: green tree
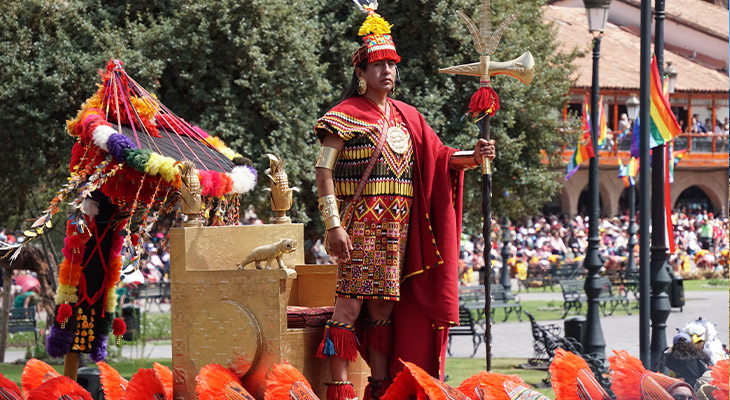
column 259, row 73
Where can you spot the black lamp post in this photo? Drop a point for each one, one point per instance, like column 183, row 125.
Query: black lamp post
column 593, row 341
column 632, row 109
column 660, row 277
column 504, row 276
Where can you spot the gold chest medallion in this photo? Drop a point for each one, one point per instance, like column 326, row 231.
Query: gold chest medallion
column 397, row 139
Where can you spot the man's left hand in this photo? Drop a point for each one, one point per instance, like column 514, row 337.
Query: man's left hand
column 484, row 148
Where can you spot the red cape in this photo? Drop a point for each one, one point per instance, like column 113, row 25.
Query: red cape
column 429, row 301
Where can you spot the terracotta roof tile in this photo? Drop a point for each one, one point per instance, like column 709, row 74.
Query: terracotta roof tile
column 620, row 61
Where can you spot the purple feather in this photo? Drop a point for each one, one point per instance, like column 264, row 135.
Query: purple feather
column 98, row 349
column 59, row 341
column 116, row 145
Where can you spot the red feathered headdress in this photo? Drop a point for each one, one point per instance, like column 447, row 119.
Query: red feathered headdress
column 112, row 383
column 413, row 380
column 627, row 372
column 35, row 373
column 491, row 384
column 9, row 390
column 720, row 379
column 564, row 374
column 215, row 382
column 55, row 388
column 145, row 385
column 165, row 376
column 280, row 381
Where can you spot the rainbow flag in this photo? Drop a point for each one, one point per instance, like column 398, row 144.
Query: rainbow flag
column 584, row 147
column 664, row 126
column 674, row 157
column 628, row 172
column 602, row 127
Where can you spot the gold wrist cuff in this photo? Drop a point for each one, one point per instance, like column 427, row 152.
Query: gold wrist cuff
column 330, row 213
column 461, row 160
column 327, row 157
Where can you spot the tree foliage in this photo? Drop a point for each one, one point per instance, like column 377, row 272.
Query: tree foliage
column 259, row 73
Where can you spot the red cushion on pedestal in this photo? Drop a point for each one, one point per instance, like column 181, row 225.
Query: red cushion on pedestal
column 307, row 317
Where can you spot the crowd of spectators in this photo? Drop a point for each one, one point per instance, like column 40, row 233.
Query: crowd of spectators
column 701, row 245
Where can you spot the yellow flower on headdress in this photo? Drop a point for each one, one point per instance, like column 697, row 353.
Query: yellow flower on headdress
column 374, row 24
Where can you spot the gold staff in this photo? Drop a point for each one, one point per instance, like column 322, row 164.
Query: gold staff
column 484, row 103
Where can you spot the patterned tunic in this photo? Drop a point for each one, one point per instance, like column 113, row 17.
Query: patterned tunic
column 379, row 226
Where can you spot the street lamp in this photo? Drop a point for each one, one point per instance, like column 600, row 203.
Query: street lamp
column 672, row 74
column 593, row 341
column 504, row 276
column 632, row 109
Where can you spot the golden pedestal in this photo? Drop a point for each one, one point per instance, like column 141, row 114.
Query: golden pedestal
column 237, row 318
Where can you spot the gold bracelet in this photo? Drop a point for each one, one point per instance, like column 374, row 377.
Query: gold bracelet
column 330, row 213
column 327, row 157
column 464, row 159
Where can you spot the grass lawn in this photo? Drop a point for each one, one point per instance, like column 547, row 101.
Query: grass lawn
column 705, row 284
column 458, row 369
column 125, row 368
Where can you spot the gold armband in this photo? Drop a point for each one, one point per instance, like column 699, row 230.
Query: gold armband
column 330, row 213
column 327, row 157
column 461, row 160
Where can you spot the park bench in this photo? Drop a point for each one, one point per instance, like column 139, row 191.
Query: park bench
column 547, row 339
column 559, row 273
column 23, row 320
column 573, row 295
column 467, row 327
column 608, row 298
column 152, row 293
column 474, row 299
column 536, row 277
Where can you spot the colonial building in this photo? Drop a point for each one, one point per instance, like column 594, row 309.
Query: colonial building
column 696, row 45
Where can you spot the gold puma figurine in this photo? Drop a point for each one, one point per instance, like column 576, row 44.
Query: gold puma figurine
column 268, row 253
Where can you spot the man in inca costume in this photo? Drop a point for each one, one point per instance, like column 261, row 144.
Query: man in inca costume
column 390, row 196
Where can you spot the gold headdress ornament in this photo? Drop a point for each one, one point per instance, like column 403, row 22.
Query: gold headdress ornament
column 376, row 34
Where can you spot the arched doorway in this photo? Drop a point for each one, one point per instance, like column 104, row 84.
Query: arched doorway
column 623, row 201
column 584, row 200
column 694, row 199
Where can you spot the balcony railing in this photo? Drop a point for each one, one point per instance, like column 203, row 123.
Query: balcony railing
column 695, row 142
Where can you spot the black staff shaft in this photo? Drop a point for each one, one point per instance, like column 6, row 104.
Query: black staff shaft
column 484, row 130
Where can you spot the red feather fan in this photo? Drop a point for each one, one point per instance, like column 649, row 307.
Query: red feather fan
column 280, row 380
column 9, row 389
column 35, row 373
column 215, row 382
column 112, row 383
column 627, row 371
column 144, row 385
column 413, row 380
column 564, row 374
column 165, row 376
column 492, row 384
column 720, row 379
column 54, row 388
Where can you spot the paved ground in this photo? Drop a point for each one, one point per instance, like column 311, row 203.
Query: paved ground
column 514, row 339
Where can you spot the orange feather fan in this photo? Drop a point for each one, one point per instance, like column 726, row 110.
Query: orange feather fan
column 165, row 376
column 720, row 380
column 626, row 371
column 413, row 380
column 564, row 374
column 280, row 380
column 491, row 384
column 9, row 389
column 112, row 383
column 144, row 385
column 59, row 386
column 35, row 373
column 215, row 382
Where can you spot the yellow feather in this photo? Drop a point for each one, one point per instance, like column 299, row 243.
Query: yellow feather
column 374, row 23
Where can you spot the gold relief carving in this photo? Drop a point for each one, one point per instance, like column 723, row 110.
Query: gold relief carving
column 269, row 253
column 212, row 333
column 178, row 375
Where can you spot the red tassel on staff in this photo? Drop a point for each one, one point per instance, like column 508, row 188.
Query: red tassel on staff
column 118, row 328
column 485, row 100
column 64, row 313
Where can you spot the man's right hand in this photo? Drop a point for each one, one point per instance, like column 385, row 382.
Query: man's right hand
column 339, row 243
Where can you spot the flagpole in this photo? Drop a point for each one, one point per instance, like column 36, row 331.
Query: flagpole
column 644, row 204
column 660, row 278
